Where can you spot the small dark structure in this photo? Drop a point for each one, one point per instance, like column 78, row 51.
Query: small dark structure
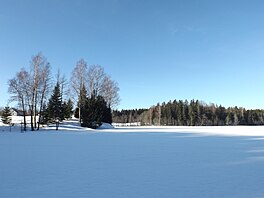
column 57, row 123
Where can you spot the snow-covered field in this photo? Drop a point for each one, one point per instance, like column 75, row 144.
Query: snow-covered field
column 139, row 162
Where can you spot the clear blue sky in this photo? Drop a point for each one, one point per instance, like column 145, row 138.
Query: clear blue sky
column 157, row 50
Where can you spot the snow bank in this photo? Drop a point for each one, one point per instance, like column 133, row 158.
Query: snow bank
column 106, row 126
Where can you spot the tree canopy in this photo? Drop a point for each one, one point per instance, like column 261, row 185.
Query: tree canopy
column 190, row 113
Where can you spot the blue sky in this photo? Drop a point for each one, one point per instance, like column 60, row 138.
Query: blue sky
column 157, row 50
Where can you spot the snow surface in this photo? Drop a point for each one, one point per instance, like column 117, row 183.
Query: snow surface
column 140, row 162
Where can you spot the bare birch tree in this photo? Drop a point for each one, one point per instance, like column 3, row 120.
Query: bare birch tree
column 96, row 77
column 35, row 78
column 62, row 80
column 101, row 84
column 78, row 80
column 110, row 92
column 40, row 75
column 19, row 90
column 44, row 88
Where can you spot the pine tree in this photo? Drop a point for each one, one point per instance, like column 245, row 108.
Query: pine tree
column 55, row 107
column 6, row 115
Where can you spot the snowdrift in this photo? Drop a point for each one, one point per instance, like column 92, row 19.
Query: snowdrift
column 105, row 126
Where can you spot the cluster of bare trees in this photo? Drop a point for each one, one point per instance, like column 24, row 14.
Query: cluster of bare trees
column 31, row 88
column 94, row 81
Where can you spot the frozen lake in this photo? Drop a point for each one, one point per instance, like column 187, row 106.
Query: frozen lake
column 144, row 162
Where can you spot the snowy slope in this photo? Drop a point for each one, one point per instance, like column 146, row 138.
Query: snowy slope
column 132, row 163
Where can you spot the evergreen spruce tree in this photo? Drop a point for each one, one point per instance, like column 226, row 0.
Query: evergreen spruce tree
column 95, row 112
column 6, row 115
column 45, row 115
column 68, row 109
column 64, row 109
column 76, row 112
column 55, row 107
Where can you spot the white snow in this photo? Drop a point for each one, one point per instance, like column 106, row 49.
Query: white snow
column 135, row 162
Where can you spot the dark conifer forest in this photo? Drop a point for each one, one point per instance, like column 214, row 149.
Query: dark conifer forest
column 190, row 113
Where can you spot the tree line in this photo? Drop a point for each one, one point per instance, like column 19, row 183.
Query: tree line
column 190, row 113
column 36, row 94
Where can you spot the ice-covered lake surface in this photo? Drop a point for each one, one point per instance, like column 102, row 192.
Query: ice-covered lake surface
column 150, row 162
